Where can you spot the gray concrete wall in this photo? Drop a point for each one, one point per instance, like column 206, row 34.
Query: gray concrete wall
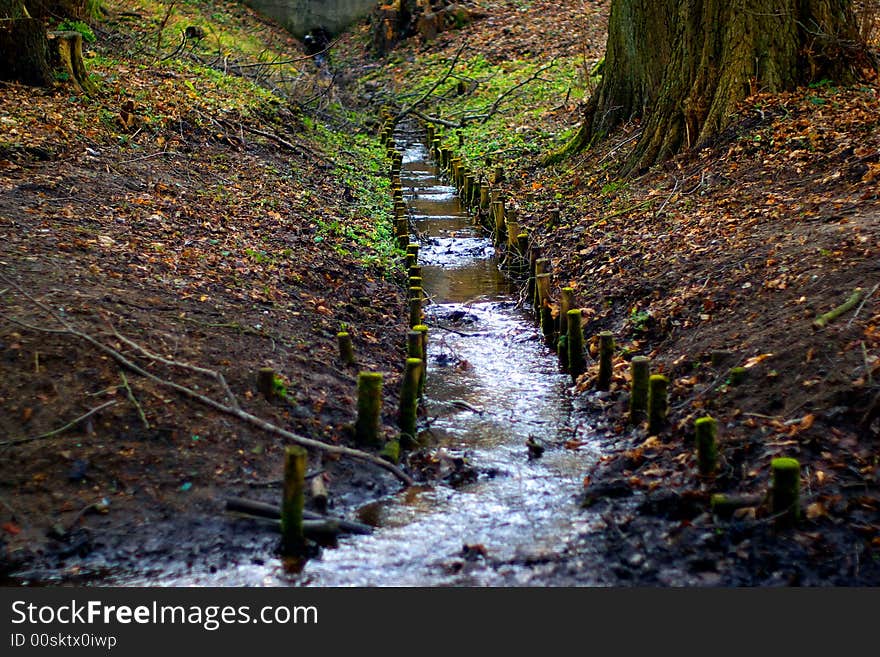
column 300, row 16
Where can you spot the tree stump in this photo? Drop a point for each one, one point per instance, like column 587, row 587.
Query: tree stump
column 66, row 50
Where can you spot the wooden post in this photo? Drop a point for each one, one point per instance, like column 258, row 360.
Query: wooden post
column 545, row 314
column 498, row 216
column 293, row 500
column 369, row 408
column 575, row 342
column 658, row 403
column 409, row 403
column 346, row 349
column 640, row 369
column 415, row 311
column 423, row 331
column 484, row 196
column 534, row 255
column 785, row 493
column 415, row 271
column 706, row 429
column 266, row 382
column 522, row 250
column 542, row 266
column 566, row 303
column 606, row 358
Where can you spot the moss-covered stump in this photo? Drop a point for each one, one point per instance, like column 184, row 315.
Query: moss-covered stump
column 658, row 403
column 606, row 360
column 785, row 489
column 706, row 429
column 369, row 409
column 346, row 348
column 575, row 341
column 293, row 500
column 409, row 403
column 640, row 371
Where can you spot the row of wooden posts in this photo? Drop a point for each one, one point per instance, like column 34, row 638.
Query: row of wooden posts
column 524, row 259
column 483, row 196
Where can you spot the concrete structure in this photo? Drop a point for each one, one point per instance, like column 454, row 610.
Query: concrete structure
column 301, row 16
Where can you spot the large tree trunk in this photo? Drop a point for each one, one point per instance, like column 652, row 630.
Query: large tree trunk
column 683, row 65
column 24, row 50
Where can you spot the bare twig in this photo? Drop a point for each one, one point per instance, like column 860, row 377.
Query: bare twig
column 69, row 425
column 217, row 376
column 133, row 400
column 862, row 305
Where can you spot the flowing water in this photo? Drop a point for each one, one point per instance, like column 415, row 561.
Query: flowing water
column 491, row 385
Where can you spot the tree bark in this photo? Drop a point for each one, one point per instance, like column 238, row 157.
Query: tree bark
column 681, row 66
column 24, row 50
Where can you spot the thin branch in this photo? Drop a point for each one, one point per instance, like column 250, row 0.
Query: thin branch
column 134, row 400
column 494, row 106
column 174, row 363
column 402, row 113
column 72, row 423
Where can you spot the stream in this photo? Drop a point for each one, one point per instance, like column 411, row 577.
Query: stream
column 492, row 384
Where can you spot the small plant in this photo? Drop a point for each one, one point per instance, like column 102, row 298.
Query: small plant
column 639, row 319
column 78, row 26
column 279, row 387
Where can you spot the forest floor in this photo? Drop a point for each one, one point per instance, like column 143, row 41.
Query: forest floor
column 209, row 233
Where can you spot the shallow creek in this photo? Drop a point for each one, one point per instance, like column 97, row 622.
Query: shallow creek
column 491, row 386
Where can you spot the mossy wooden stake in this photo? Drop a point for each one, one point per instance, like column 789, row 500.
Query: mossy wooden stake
column 785, row 492
column 346, row 348
column 484, row 196
column 415, row 281
column 414, row 249
column 423, row 330
column 415, row 311
column 535, row 253
column 658, row 403
column 575, row 342
column 409, row 402
column 498, row 219
column 562, row 351
column 369, row 408
column 416, row 293
column 738, row 375
column 640, row 369
column 266, row 382
column 522, row 250
column 542, row 265
column 566, row 303
column 706, row 430
column 415, row 271
column 293, row 500
column 606, row 359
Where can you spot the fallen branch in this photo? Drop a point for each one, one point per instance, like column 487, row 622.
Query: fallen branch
column 202, row 399
column 494, row 106
column 69, row 425
column 402, row 113
column 173, row 363
column 823, row 320
column 264, row 510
